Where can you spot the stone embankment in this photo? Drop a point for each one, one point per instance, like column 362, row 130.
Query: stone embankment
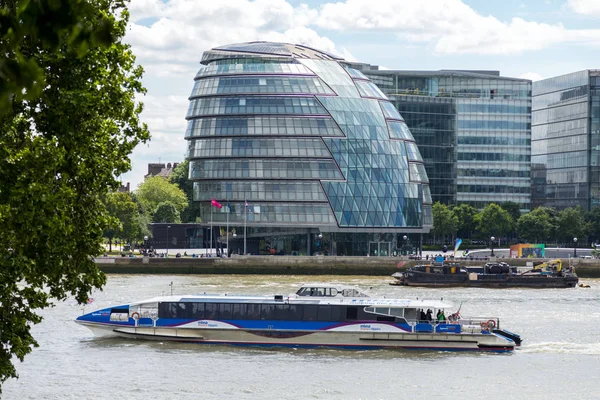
column 290, row 265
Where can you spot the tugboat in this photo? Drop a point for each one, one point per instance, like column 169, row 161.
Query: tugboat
column 550, row 274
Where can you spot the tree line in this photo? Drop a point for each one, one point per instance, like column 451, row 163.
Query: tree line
column 156, row 200
column 505, row 222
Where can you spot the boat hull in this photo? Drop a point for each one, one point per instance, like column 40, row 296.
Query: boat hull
column 412, row 278
column 313, row 339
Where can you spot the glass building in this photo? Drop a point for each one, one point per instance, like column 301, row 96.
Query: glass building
column 321, row 157
column 566, row 141
column 473, row 129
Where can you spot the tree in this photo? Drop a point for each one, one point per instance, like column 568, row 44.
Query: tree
column 513, row 209
column 180, row 177
column 47, row 26
column 571, row 224
column 538, row 225
column 166, row 212
column 155, row 190
column 60, row 151
column 465, row 214
column 128, row 224
column 592, row 219
column 494, row 220
column 445, row 222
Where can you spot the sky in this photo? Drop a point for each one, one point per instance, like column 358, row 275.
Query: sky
column 531, row 39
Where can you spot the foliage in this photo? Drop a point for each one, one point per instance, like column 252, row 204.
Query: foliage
column 128, row 223
column 156, row 189
column 537, row 226
column 465, row 214
column 166, row 212
column 60, row 151
column 513, row 209
column 592, row 219
column 445, row 222
column 571, row 224
column 496, row 221
column 49, row 26
column 180, row 177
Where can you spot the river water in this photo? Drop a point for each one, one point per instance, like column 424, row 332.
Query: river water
column 559, row 358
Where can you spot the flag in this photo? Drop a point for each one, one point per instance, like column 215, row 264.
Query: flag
column 457, row 244
column 229, row 208
column 215, row 203
column 249, row 208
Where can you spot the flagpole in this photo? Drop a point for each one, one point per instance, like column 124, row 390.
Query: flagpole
column 227, row 229
column 211, row 229
column 245, row 221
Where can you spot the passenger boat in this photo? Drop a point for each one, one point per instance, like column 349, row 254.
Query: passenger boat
column 550, row 274
column 319, row 315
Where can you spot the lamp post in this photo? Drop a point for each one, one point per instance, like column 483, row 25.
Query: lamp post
column 574, row 247
column 146, row 244
column 492, row 244
column 404, row 246
column 168, row 227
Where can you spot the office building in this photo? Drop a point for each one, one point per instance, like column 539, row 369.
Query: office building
column 473, row 129
column 566, row 141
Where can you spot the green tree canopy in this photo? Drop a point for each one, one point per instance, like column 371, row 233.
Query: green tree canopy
column 60, row 152
column 155, row 190
column 571, row 224
column 445, row 222
column 181, row 179
column 128, row 223
column 166, row 212
column 465, row 215
column 495, row 221
column 593, row 222
column 537, row 226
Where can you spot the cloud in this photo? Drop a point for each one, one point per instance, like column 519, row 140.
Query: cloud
column 585, row 7
column 451, row 26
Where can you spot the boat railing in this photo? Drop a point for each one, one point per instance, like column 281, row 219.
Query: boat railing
column 467, row 325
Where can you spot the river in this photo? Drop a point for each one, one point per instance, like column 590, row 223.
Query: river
column 559, row 358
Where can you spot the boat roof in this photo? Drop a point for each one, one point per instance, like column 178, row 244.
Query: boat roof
column 293, row 299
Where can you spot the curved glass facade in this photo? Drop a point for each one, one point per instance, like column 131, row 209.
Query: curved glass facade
column 324, row 162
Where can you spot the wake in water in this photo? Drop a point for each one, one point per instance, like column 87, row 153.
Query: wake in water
column 592, row 349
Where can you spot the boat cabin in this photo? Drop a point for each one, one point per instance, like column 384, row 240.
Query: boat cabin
column 329, row 290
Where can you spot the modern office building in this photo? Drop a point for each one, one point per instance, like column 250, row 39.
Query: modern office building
column 473, row 129
column 321, row 157
column 566, row 141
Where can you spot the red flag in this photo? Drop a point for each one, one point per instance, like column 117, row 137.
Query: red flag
column 215, row 203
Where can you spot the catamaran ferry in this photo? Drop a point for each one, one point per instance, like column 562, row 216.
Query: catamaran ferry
column 317, row 315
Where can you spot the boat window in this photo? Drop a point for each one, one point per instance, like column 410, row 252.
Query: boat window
column 324, row 313
column 382, row 310
column 336, row 313
column 253, row 311
column 398, row 312
column 351, row 313
column 310, row 313
column 353, row 293
column 239, row 311
column 225, row 311
column 267, row 311
column 211, row 311
column 410, row 314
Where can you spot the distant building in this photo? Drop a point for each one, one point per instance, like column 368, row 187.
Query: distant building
column 158, row 169
column 473, row 129
column 566, row 140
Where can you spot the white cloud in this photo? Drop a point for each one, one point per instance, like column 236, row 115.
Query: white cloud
column 532, row 76
column 585, row 7
column 450, row 25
